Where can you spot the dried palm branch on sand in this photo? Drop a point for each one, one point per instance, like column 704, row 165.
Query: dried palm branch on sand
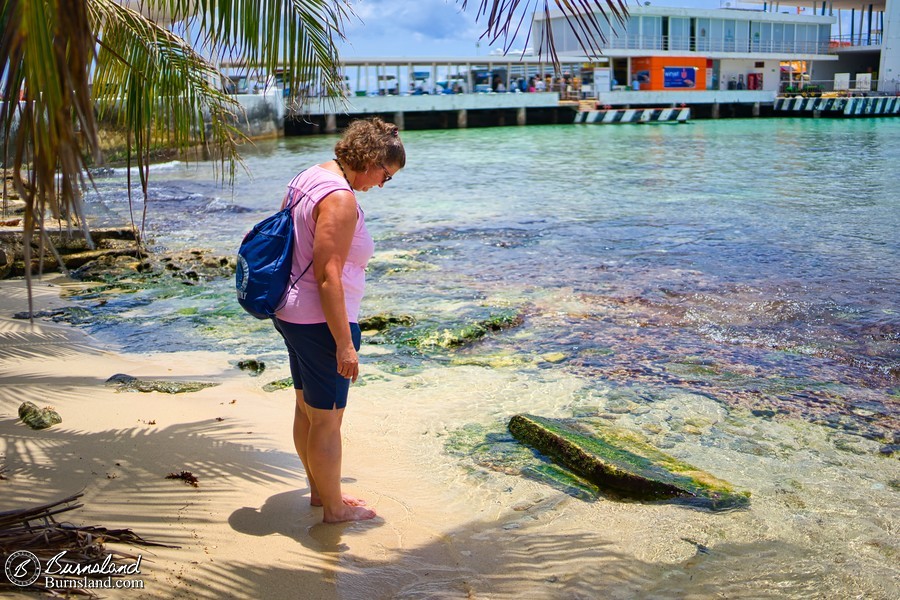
column 37, row 530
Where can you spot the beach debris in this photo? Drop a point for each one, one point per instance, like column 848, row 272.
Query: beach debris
column 36, row 529
column 129, row 383
column 621, row 462
column 185, row 476
column 254, row 367
column 38, row 418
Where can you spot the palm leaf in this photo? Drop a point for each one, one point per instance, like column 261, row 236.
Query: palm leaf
column 505, row 19
column 146, row 79
column 47, row 53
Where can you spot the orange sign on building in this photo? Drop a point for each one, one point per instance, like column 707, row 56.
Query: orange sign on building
column 660, row 73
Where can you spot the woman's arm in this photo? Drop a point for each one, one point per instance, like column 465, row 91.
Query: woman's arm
column 336, row 217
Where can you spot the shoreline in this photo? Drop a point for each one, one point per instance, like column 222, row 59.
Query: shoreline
column 819, row 522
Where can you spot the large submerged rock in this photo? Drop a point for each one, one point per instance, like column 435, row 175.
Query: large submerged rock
column 619, row 461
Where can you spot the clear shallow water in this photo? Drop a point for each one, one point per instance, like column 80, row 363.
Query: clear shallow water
column 716, row 286
column 756, row 260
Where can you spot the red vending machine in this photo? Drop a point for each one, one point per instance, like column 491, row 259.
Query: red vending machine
column 754, row 81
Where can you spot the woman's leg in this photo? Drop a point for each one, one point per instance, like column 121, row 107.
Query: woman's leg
column 301, row 443
column 323, row 453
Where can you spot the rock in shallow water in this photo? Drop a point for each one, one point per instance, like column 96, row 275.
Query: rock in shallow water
column 619, row 461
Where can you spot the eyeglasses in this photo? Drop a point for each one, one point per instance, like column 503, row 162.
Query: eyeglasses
column 387, row 176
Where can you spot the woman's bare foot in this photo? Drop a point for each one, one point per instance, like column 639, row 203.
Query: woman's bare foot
column 348, row 500
column 348, row 513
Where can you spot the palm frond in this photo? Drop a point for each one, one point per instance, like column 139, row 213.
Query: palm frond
column 156, row 84
column 505, row 19
column 299, row 36
column 47, row 49
column 157, row 87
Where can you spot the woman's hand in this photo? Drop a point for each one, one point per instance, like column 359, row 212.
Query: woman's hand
column 348, row 362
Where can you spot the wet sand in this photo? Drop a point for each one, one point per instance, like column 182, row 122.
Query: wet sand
column 823, row 520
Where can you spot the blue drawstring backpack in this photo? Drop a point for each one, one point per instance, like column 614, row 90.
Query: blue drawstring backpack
column 263, row 271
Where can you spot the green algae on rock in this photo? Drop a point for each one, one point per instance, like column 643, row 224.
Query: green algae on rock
column 383, row 321
column 279, row 384
column 618, row 460
column 498, row 451
column 456, row 335
column 129, row 383
column 254, row 367
column 38, row 418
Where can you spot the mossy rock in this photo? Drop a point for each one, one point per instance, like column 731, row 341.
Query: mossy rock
column 621, row 462
column 38, row 418
column 383, row 321
column 129, row 383
column 252, row 366
column 456, row 335
column 500, row 452
column 279, row 384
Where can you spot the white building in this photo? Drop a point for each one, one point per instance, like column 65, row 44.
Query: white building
column 762, row 48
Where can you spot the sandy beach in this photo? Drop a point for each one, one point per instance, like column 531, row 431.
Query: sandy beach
column 822, row 523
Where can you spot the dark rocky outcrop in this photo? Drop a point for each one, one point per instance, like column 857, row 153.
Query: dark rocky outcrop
column 72, row 248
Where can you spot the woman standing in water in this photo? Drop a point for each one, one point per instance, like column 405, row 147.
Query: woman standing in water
column 320, row 314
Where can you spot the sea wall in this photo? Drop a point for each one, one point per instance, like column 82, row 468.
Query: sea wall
column 263, row 114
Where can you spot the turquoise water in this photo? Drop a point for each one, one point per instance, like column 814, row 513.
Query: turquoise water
column 756, row 261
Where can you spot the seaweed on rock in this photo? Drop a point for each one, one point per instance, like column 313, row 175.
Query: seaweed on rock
column 618, row 460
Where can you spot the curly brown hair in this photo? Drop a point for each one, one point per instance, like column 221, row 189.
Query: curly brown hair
column 370, row 142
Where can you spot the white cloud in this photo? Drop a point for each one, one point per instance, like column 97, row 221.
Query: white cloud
column 412, row 28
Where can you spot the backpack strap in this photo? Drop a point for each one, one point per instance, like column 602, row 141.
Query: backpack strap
column 289, row 208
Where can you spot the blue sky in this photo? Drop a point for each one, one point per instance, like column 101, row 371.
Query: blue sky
column 437, row 28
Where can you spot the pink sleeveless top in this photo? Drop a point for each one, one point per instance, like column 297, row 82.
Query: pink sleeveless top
column 302, row 303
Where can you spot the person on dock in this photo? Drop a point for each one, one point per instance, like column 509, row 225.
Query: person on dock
column 320, row 313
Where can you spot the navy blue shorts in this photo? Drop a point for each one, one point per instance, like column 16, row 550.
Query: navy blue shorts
column 313, row 358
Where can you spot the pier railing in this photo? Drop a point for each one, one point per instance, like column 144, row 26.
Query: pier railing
column 813, row 88
column 851, row 40
column 707, row 44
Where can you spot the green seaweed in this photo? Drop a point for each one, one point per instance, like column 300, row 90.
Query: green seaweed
column 254, row 367
column 431, row 336
column 383, row 321
column 279, row 384
column 562, row 480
